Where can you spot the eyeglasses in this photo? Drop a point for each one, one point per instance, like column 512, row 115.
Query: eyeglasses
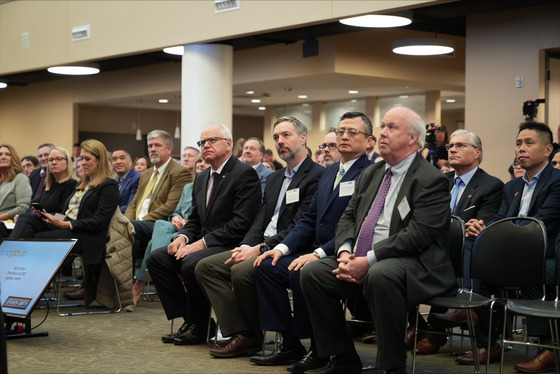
column 330, row 146
column 211, row 140
column 57, row 159
column 515, row 165
column 350, row 132
column 458, row 145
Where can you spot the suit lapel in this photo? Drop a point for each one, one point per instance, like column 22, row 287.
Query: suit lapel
column 403, row 192
column 220, row 181
column 371, row 192
column 294, row 183
column 468, row 192
column 516, row 200
column 541, row 182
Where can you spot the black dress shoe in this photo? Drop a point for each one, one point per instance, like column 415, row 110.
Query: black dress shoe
column 309, row 362
column 280, row 356
column 168, row 338
column 334, row 368
column 194, row 335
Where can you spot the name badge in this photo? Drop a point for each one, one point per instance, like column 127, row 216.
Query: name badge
column 292, row 196
column 404, row 208
column 346, row 188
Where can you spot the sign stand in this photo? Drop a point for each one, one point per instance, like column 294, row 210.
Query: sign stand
column 15, row 333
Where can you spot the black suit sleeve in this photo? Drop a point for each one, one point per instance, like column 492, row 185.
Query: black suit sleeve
column 97, row 212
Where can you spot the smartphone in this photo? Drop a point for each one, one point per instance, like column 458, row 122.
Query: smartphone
column 36, row 206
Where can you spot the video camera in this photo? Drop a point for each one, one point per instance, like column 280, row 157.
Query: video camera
column 530, row 109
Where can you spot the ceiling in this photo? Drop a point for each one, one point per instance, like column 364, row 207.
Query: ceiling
column 447, row 18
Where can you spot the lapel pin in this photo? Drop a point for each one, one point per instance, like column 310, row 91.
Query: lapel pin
column 470, row 196
column 517, row 193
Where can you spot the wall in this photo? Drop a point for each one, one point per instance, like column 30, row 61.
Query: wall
column 499, row 47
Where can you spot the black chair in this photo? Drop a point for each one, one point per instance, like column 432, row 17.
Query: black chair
column 536, row 274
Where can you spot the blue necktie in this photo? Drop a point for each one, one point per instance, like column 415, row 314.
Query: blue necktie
column 455, row 194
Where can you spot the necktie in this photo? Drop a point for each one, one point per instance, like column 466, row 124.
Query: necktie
column 339, row 176
column 147, row 192
column 215, row 176
column 41, row 185
column 119, row 182
column 455, row 194
column 366, row 233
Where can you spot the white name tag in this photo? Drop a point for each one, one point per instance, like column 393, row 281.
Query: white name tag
column 404, row 208
column 346, row 188
column 292, row 196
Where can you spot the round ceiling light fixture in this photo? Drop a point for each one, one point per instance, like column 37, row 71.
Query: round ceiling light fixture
column 3, row 85
column 379, row 20
column 177, row 50
column 82, row 69
column 423, row 47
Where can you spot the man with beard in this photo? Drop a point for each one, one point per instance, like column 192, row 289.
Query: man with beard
column 228, row 278
column 330, row 152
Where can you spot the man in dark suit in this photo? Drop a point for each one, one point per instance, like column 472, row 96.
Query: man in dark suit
column 159, row 190
column 127, row 177
column 253, row 152
column 535, row 194
column 228, row 278
column 474, row 194
column 37, row 178
column 310, row 240
column 390, row 244
column 225, row 200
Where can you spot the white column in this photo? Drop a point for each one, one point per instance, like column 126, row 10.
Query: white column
column 207, row 89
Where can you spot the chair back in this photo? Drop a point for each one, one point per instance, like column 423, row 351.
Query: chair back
column 510, row 252
column 456, row 245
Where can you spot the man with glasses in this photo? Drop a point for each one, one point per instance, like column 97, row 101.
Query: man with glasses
column 474, row 195
column 311, row 239
column 228, row 278
column 226, row 198
column 330, row 152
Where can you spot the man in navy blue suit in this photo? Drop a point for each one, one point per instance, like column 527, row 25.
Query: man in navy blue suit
column 311, row 239
column 535, row 194
column 127, row 177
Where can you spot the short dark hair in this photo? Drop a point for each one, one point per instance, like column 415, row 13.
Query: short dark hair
column 542, row 130
column 50, row 145
column 31, row 159
column 368, row 125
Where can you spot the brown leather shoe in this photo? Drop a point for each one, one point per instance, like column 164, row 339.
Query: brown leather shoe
column 79, row 294
column 409, row 339
column 449, row 319
column 467, row 359
column 430, row 344
column 544, row 361
column 238, row 345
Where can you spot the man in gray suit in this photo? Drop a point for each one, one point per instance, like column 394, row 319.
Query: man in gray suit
column 253, row 152
column 390, row 244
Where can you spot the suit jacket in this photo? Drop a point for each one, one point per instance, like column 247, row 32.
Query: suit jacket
column 420, row 238
column 317, row 226
column 35, row 180
column 545, row 203
column 94, row 215
column 481, row 198
column 128, row 189
column 166, row 193
column 263, row 172
column 15, row 195
column 306, row 179
column 235, row 200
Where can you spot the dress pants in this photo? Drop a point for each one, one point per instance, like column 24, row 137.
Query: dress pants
column 236, row 310
column 165, row 271
column 143, row 231
column 385, row 291
column 163, row 234
column 274, row 305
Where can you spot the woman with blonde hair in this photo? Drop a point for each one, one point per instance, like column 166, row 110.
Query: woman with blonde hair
column 15, row 190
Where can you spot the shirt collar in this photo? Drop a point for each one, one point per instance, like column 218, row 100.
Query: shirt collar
column 162, row 168
column 219, row 170
column 537, row 176
column 401, row 167
column 289, row 174
column 466, row 178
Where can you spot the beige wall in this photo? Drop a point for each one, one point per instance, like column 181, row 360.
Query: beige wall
column 500, row 47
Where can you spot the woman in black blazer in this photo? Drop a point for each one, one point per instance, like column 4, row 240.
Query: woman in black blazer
column 87, row 213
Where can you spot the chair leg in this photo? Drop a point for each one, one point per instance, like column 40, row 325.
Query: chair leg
column 470, row 324
column 415, row 339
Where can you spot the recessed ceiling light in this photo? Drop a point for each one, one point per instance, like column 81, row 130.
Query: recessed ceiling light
column 404, row 96
column 353, row 101
column 353, row 92
column 250, row 92
column 262, row 108
column 3, row 85
column 450, row 100
column 256, row 101
column 85, row 69
column 163, row 101
column 305, row 104
column 423, row 47
column 378, row 20
column 177, row 50
column 302, row 96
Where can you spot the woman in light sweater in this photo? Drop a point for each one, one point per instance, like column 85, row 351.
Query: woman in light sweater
column 15, row 190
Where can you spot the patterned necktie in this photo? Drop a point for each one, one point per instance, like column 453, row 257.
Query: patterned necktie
column 339, row 175
column 455, row 194
column 147, row 191
column 41, row 185
column 215, row 176
column 365, row 238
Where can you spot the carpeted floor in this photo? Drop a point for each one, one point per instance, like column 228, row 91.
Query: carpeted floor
column 131, row 343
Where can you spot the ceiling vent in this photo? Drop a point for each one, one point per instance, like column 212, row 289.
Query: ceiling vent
column 226, row 5
column 81, row 33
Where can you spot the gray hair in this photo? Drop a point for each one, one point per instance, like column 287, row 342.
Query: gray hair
column 193, row 148
column 298, row 125
column 418, row 127
column 473, row 138
column 167, row 139
column 224, row 130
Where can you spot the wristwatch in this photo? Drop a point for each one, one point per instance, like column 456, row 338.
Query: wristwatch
column 264, row 247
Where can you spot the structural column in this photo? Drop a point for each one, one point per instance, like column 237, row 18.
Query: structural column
column 433, row 107
column 207, row 89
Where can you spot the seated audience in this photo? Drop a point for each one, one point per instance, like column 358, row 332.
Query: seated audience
column 37, row 176
column 370, row 152
column 78, row 173
column 269, row 157
column 189, row 157
column 253, row 152
column 15, row 191
column 29, row 163
column 127, row 177
column 228, row 277
column 269, row 165
column 141, row 164
column 201, row 165
column 225, row 201
column 390, row 244
column 555, row 159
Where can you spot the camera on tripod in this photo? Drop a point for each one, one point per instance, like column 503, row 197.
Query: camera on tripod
column 530, row 109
